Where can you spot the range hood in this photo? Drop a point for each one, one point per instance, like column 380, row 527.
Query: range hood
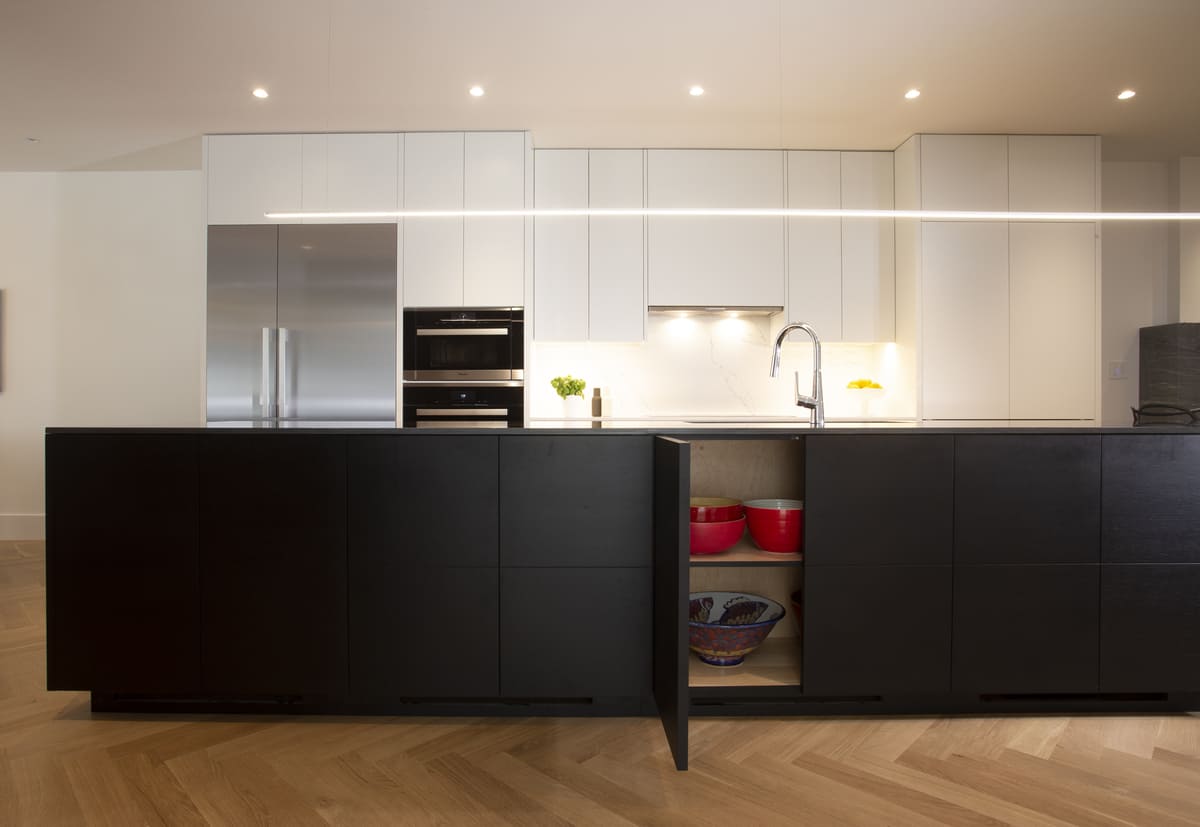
column 716, row 310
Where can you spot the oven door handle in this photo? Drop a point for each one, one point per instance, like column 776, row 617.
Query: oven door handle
column 466, row 331
column 462, row 411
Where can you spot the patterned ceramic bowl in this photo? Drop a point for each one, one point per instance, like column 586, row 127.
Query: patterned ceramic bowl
column 724, row 627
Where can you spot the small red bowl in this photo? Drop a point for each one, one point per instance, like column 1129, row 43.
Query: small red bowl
column 713, row 538
column 715, row 509
column 776, row 525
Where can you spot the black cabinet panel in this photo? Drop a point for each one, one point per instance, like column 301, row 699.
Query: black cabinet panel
column 1027, row 499
column 879, row 499
column 1150, row 629
column 431, row 499
column 424, row 587
column 871, row 630
column 576, row 500
column 423, row 632
column 122, row 568
column 575, row 632
column 672, row 472
column 273, row 563
column 1026, row 629
column 1151, row 498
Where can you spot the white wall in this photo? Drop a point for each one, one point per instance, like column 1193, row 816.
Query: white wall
column 715, row 366
column 1135, row 277
column 28, row 238
column 103, row 321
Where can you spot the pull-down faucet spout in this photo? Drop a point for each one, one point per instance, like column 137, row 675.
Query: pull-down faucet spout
column 816, row 402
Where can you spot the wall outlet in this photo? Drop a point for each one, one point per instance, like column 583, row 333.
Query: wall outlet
column 1116, row 370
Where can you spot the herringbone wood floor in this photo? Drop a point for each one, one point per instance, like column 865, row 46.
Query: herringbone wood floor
column 60, row 765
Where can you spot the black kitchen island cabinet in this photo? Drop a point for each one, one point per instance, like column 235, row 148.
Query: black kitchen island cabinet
column 547, row 572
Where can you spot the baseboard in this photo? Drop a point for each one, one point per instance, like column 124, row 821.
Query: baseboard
column 22, row 526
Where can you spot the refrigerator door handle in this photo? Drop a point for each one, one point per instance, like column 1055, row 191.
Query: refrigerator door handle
column 282, row 381
column 267, row 390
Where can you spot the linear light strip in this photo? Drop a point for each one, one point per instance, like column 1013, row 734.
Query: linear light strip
column 927, row 215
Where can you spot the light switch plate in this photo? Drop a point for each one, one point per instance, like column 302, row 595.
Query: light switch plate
column 1116, row 370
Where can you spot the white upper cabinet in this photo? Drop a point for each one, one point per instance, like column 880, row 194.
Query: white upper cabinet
column 868, row 249
column 715, row 260
column 1053, row 172
column 560, row 246
column 433, row 247
column 964, row 172
column 494, row 248
column 814, row 286
column 249, row 175
column 965, row 320
column 1054, row 366
column 351, row 172
column 616, row 264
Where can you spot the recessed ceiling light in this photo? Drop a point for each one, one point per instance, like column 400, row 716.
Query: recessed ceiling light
column 260, row 93
column 696, row 91
column 1126, row 95
column 912, row 94
column 476, row 91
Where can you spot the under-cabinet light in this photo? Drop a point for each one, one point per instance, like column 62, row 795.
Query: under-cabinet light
column 653, row 212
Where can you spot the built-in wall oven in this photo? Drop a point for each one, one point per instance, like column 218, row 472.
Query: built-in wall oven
column 464, row 368
column 464, row 344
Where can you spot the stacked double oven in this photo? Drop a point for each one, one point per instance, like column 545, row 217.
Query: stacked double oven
column 464, row 368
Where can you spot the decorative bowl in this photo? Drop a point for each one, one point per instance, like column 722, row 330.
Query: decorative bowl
column 715, row 509
column 776, row 525
column 713, row 538
column 724, row 627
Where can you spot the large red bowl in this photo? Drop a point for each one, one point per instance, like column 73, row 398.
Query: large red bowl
column 715, row 509
column 713, row 538
column 776, row 525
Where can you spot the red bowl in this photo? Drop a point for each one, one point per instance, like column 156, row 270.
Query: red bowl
column 715, row 509
column 776, row 525
column 713, row 538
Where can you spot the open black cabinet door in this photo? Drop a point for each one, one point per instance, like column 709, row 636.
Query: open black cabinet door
column 672, row 472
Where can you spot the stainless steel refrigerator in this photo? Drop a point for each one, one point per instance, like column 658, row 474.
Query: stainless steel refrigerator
column 302, row 324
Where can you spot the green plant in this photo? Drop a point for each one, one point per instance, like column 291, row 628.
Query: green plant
column 568, row 386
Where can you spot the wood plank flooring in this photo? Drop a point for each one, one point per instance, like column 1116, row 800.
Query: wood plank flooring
column 61, row 765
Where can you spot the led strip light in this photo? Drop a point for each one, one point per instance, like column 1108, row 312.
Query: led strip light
column 927, row 215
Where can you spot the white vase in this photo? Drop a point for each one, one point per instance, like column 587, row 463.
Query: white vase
column 574, row 408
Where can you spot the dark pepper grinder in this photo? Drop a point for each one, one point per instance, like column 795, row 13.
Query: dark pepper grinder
column 597, row 408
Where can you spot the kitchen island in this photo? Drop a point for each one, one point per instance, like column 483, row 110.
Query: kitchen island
column 547, row 571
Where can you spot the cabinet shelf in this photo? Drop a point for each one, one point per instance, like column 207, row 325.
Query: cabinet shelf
column 745, row 553
column 775, row 663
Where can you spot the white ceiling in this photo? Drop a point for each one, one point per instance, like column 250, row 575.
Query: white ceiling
column 130, row 83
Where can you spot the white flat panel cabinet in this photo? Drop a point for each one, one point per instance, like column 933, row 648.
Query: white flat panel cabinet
column 351, row 172
column 433, row 247
column 964, row 172
column 715, row 260
column 560, row 246
column 965, row 320
column 814, row 246
column 494, row 248
column 1053, row 321
column 249, row 175
column 868, row 248
column 1053, row 172
column 616, row 264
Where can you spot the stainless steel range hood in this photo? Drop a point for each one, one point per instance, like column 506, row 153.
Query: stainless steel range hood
column 715, row 310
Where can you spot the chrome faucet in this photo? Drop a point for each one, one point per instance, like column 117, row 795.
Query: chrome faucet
column 816, row 402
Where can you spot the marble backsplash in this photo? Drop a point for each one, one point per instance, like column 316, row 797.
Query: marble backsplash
column 708, row 365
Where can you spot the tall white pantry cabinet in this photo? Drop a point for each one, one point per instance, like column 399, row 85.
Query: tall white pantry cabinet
column 1003, row 316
